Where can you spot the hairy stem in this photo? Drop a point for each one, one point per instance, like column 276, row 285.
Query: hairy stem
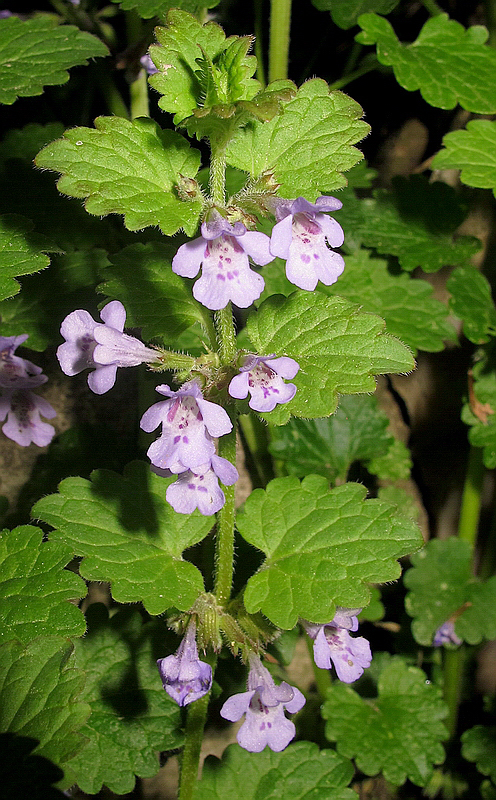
column 226, row 335
column 280, row 22
column 471, row 497
column 218, row 174
column 453, row 663
column 138, row 93
column 352, row 76
column 432, row 7
column 190, row 757
column 258, row 27
column 224, row 541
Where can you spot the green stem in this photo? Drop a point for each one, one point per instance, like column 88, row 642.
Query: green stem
column 432, row 7
column 113, row 98
column 226, row 335
column 218, row 174
column 471, row 497
column 280, row 22
column 258, row 7
column 138, row 93
column 322, row 677
column 352, row 76
column 490, row 6
column 224, row 540
column 190, row 757
column 453, row 663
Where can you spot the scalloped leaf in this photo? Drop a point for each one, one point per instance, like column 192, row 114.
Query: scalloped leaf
column 473, row 151
column 345, row 13
column 129, row 535
column 472, row 302
column 37, row 52
column 21, row 252
column 479, row 745
column 479, row 412
column 323, row 547
column 448, row 63
column 398, row 733
column 159, row 8
column 127, row 167
column 338, row 348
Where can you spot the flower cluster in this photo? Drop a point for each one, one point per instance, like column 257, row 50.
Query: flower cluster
column 18, row 403
column 332, row 642
column 184, row 677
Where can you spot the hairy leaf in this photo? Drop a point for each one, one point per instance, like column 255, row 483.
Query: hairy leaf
column 473, row 151
column 322, row 548
column 394, row 465
column 21, row 252
column 345, row 13
column 479, row 412
column 472, row 302
column 159, row 8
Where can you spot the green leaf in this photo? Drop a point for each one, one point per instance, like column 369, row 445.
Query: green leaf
column 24, row 143
column 375, row 610
column 307, row 146
column 39, row 696
column 398, row 733
column 480, row 411
column 132, row 717
column 442, row 587
column 394, row 465
column 322, row 548
column 479, row 745
column 448, row 63
column 127, row 167
column 416, row 222
column 129, row 535
column 35, row 589
column 21, row 252
column 338, row 348
column 472, row 302
column 37, row 52
column 345, row 13
column 473, row 151
column 156, row 299
column 159, row 8
column 407, row 305
column 329, row 446
column 300, row 771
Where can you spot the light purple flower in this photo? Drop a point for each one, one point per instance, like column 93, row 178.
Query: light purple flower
column 185, row 678
column 301, row 236
column 22, row 409
column 222, row 251
column 147, row 63
column 445, row 634
column 262, row 377
column 17, row 372
column 332, row 642
column 188, row 424
column 199, row 487
column 101, row 347
column 263, row 704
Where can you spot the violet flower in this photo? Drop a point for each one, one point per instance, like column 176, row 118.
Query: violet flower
column 222, row 251
column 199, row 487
column 22, row 409
column 262, row 377
column 332, row 642
column 301, row 236
column 17, row 372
column 263, row 704
column 101, row 347
column 188, row 424
column 445, row 634
column 184, row 677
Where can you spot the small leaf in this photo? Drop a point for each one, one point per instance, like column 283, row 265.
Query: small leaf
column 159, row 8
column 21, row 252
column 479, row 745
column 129, row 535
column 300, row 771
column 338, row 348
column 307, row 146
column 37, row 52
column 35, row 589
column 442, row 587
column 448, row 63
column 394, row 465
column 322, row 548
column 472, row 302
column 480, row 410
column 473, row 151
column 345, row 13
column 132, row 717
column 398, row 733
column 39, row 696
column 129, row 168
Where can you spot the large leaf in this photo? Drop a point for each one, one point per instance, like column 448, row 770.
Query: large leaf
column 39, row 696
column 300, row 771
column 448, row 63
column 472, row 302
column 37, row 52
column 132, row 717
column 322, row 548
column 473, row 151
column 127, row 167
column 338, row 348
column 442, row 586
column 307, row 146
column 398, row 733
column 129, row 535
column 345, row 13
column 35, row 589
column 21, row 252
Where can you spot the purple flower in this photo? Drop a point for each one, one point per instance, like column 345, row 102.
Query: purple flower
column 350, row 655
column 263, row 704
column 148, row 65
column 100, row 347
column 222, row 251
column 262, row 377
column 301, row 236
column 185, row 678
column 199, row 487
column 17, row 372
column 188, row 424
column 445, row 634
column 22, row 409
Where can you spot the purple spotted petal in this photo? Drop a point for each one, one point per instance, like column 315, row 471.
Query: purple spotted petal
column 24, row 426
column 113, row 347
column 184, row 677
column 17, row 372
column 199, row 489
column 257, row 246
column 261, row 377
column 349, row 655
column 282, row 236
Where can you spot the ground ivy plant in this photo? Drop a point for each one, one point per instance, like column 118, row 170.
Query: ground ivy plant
column 257, row 278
